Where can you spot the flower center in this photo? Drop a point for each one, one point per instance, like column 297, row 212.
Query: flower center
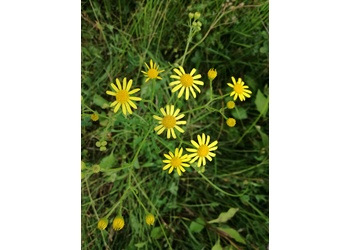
column 169, row 121
column 122, row 96
column 238, row 88
column 152, row 73
column 203, row 151
column 176, row 162
column 186, row 80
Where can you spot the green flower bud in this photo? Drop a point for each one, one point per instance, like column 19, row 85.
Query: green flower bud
column 197, row 15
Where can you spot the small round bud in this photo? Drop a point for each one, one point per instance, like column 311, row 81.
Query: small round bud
column 231, row 122
column 190, row 15
column 118, row 223
column 96, row 168
column 230, row 105
column 150, row 219
column 212, row 74
column 102, row 223
column 197, row 15
column 94, row 116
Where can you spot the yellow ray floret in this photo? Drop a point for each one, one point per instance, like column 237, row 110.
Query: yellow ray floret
column 239, row 89
column 152, row 71
column 176, row 161
column 169, row 121
column 185, row 82
column 203, row 150
column 123, row 96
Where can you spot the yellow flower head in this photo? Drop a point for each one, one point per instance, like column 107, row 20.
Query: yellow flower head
column 94, row 116
column 122, row 95
column 150, row 219
column 102, row 223
column 186, row 82
column 230, row 104
column 176, row 161
column 202, row 150
column 239, row 89
column 231, row 122
column 118, row 223
column 152, row 71
column 169, row 121
column 212, row 74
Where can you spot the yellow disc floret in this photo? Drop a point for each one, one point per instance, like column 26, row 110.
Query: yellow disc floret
column 186, row 80
column 169, row 121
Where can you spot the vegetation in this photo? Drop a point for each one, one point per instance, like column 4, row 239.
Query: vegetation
column 127, row 200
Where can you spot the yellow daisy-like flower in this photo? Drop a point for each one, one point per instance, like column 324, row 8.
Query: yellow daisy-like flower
column 152, row 72
column 122, row 95
column 230, row 104
column 118, row 223
column 169, row 121
column 186, row 82
column 212, row 74
column 150, row 219
column 102, row 223
column 202, row 150
column 231, row 122
column 176, row 161
column 239, row 89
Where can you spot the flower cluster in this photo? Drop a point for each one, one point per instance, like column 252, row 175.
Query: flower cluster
column 170, row 119
column 119, row 222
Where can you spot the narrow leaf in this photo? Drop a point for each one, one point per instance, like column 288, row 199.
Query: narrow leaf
column 233, row 234
column 225, row 216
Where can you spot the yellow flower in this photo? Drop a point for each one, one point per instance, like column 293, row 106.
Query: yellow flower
column 239, row 89
column 122, row 95
column 102, row 223
column 176, row 161
column 118, row 223
column 212, row 74
column 186, row 82
column 94, row 116
column 202, row 150
column 230, row 105
column 169, row 121
column 231, row 122
column 152, row 72
column 150, row 219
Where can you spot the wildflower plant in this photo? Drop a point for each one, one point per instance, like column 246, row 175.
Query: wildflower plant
column 170, row 120
column 146, row 152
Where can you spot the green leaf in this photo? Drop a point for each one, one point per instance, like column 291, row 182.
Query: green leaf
column 225, row 216
column 239, row 113
column 141, row 244
column 217, row 246
column 233, row 234
column 261, row 102
column 264, row 137
column 136, row 163
column 108, row 161
column 156, row 233
column 100, row 101
column 197, row 225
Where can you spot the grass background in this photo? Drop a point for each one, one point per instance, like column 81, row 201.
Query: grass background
column 117, row 38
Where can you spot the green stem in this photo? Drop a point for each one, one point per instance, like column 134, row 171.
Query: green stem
column 256, row 120
column 188, row 43
column 219, row 189
column 117, row 204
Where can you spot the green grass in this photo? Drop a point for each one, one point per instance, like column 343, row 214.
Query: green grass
column 117, row 38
